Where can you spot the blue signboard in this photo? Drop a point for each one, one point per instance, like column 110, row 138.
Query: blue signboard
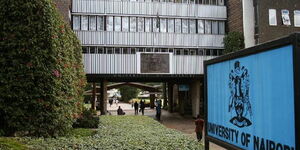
column 250, row 100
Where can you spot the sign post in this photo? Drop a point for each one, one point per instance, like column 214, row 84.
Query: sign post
column 252, row 97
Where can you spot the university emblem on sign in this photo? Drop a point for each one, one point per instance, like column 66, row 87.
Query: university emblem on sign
column 239, row 102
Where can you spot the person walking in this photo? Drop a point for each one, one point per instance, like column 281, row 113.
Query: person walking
column 136, row 108
column 158, row 110
column 142, row 106
column 199, row 127
column 110, row 102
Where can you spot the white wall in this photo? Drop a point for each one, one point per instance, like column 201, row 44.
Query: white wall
column 248, row 23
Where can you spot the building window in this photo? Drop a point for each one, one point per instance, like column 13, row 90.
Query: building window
column 100, row 23
column 155, row 25
column 100, row 50
column 207, row 52
column 186, row 52
column 125, row 24
column 126, row 50
column 92, row 23
column 192, row 52
column 84, row 22
column 201, row 26
column 214, row 27
column 117, row 51
column 109, row 23
column 132, row 24
column 185, row 28
column 76, row 22
column 192, row 26
column 117, row 24
column 220, row 2
column 163, row 25
column 272, row 17
column 207, row 27
column 147, row 24
column 148, row 50
column 178, row 25
column 221, row 27
column 141, row 50
column 132, row 50
column 109, row 50
column 141, row 24
column 170, row 25
column 297, row 18
column 200, row 52
column 93, row 50
column 85, row 50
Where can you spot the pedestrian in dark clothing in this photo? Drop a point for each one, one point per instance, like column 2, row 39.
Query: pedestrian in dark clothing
column 136, row 108
column 142, row 106
column 199, row 127
column 110, row 102
column 158, row 110
column 120, row 111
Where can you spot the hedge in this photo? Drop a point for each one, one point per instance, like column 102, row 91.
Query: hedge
column 41, row 71
column 121, row 133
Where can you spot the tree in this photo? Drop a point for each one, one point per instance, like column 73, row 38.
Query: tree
column 233, row 42
column 41, row 71
column 128, row 93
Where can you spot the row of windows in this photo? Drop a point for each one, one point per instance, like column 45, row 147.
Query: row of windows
column 176, row 51
column 208, row 2
column 147, row 24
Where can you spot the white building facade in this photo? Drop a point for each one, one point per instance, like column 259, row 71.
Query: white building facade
column 121, row 36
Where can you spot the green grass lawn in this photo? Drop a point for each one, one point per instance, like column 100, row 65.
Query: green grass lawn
column 116, row 133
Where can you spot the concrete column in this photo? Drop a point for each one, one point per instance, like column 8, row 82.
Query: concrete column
column 181, row 101
column 93, row 100
column 175, row 102
column 103, row 99
column 152, row 99
column 165, row 95
column 170, row 96
column 195, row 95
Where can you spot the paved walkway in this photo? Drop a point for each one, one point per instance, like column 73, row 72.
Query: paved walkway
column 185, row 124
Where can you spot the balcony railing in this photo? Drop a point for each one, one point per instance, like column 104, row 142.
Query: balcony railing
column 148, row 9
column 130, row 64
column 109, row 38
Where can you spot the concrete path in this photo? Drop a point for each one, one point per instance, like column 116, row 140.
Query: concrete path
column 185, row 124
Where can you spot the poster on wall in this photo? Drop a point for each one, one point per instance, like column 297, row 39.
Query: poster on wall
column 297, row 18
column 250, row 100
column 285, row 17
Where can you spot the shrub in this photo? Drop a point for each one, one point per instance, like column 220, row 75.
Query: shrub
column 233, row 41
column 88, row 119
column 120, row 133
column 41, row 72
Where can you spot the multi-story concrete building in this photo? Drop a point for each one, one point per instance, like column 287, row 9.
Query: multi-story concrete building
column 149, row 40
column 263, row 20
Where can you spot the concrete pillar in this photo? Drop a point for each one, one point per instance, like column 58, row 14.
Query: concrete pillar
column 181, row 101
column 165, row 103
column 195, row 95
column 170, row 97
column 175, row 102
column 152, row 99
column 93, row 100
column 103, row 99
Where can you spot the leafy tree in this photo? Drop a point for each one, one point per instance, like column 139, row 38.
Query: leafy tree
column 128, row 92
column 41, row 71
column 233, row 42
